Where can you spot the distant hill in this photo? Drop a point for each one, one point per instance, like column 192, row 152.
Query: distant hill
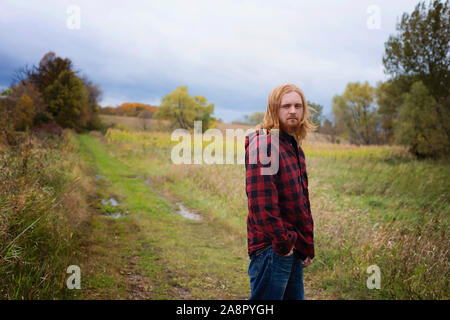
column 129, row 109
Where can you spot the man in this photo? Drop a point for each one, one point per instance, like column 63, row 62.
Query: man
column 279, row 222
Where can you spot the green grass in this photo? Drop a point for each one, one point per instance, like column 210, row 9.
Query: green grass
column 43, row 216
column 176, row 254
column 371, row 205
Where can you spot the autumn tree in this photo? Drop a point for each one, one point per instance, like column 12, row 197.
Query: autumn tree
column 20, row 104
column 57, row 94
column 182, row 109
column 24, row 113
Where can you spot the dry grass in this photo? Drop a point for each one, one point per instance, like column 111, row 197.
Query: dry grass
column 371, row 205
column 44, row 212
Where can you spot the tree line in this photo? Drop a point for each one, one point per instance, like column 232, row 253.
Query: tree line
column 412, row 107
column 130, row 109
column 51, row 93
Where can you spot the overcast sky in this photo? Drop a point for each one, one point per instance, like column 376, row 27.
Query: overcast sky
column 232, row 52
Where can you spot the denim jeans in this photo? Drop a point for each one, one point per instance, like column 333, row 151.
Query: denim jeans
column 276, row 277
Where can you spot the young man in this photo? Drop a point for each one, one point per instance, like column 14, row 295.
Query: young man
column 279, row 222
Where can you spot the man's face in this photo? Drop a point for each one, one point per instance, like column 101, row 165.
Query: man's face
column 290, row 112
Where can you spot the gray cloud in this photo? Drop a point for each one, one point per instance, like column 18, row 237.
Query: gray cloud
column 232, row 52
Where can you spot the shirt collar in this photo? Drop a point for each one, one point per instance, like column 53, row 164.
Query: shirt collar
column 286, row 137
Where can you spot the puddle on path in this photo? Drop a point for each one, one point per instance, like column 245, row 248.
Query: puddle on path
column 112, row 202
column 182, row 210
column 116, row 215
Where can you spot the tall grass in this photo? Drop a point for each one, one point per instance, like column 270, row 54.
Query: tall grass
column 371, row 205
column 43, row 214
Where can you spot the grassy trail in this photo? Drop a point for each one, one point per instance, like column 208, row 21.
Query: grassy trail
column 369, row 208
column 153, row 252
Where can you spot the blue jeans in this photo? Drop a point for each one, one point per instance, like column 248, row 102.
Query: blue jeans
column 276, row 277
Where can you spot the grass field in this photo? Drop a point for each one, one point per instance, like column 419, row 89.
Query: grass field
column 371, row 206
column 112, row 203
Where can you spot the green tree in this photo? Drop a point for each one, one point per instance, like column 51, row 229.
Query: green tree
column 182, row 109
column 418, row 125
column 49, row 69
column 355, row 113
column 67, row 101
column 421, row 48
column 389, row 97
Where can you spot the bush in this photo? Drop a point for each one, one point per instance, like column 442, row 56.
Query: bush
column 420, row 126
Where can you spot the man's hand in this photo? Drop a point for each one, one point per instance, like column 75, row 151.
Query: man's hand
column 307, row 262
column 290, row 253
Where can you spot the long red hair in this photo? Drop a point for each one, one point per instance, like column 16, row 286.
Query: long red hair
column 271, row 120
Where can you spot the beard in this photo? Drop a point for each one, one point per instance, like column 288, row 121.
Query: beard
column 290, row 126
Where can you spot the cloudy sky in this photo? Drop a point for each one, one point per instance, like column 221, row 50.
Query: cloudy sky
column 232, row 52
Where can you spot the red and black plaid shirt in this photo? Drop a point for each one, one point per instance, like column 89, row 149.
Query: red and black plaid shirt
column 279, row 209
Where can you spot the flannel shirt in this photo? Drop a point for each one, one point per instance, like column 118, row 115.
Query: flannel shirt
column 279, row 213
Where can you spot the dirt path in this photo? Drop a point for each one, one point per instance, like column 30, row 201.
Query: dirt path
column 151, row 251
column 157, row 248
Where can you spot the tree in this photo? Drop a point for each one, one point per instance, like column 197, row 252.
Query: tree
column 389, row 97
column 421, row 49
column 94, row 94
column 419, row 56
column 49, row 69
column 355, row 113
column 24, row 113
column 316, row 113
column 328, row 128
column 21, row 103
column 67, row 101
column 144, row 116
column 254, row 119
column 418, row 125
column 182, row 109
column 51, row 92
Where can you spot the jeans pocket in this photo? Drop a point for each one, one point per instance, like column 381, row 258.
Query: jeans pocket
column 254, row 267
column 281, row 267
